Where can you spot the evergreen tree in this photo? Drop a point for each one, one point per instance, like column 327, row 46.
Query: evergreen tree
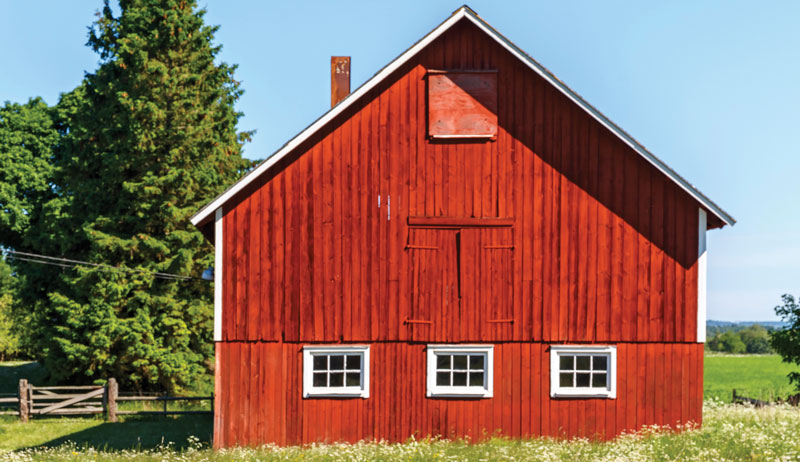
column 147, row 139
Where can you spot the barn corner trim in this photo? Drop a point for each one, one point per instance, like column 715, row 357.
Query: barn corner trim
column 205, row 214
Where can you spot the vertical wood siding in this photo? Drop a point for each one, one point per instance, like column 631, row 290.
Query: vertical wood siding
column 602, row 249
column 604, row 245
column 658, row 383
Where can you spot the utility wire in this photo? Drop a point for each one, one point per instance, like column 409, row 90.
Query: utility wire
column 70, row 263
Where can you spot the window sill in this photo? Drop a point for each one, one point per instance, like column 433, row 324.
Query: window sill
column 469, row 394
column 332, row 394
column 582, row 394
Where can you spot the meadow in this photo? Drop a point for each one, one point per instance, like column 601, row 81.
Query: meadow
column 729, row 432
column 755, row 376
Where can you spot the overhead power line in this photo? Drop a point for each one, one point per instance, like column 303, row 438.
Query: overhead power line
column 70, row 263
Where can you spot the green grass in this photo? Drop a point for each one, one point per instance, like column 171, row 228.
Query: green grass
column 91, row 431
column 132, row 432
column 729, row 433
column 755, row 376
column 12, row 371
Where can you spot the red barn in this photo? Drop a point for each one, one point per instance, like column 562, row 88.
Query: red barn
column 463, row 246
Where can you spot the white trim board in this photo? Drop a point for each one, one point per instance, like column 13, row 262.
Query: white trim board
column 218, row 275
column 702, row 276
column 464, row 12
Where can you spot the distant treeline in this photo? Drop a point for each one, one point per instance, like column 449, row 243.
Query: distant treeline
column 739, row 338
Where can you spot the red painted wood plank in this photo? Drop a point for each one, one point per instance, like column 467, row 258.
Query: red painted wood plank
column 630, row 248
column 310, row 245
column 657, row 264
column 344, row 232
column 679, row 285
column 643, row 256
column 242, row 264
column 254, row 278
column 460, row 222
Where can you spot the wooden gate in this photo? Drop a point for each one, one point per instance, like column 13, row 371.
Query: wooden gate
column 89, row 399
column 66, row 400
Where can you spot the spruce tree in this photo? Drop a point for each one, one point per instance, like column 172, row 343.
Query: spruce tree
column 147, row 139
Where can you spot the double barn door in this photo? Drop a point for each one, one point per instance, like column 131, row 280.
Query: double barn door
column 461, row 283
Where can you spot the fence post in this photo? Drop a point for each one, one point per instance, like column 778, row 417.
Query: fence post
column 24, row 411
column 111, row 394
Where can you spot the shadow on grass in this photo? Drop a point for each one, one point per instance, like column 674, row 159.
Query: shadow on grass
column 12, row 371
column 140, row 433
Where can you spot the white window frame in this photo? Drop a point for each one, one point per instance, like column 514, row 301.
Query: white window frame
column 556, row 391
column 310, row 391
column 436, row 391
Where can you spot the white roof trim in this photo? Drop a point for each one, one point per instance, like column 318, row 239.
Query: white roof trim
column 207, row 212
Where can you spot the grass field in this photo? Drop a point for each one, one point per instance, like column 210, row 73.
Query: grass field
column 729, row 432
column 755, row 376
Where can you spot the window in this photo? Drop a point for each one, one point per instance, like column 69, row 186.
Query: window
column 583, row 371
column 462, row 104
column 460, row 370
column 336, row 371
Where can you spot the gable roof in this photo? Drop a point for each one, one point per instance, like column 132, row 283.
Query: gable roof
column 206, row 213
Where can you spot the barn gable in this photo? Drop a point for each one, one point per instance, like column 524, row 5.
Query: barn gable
column 506, row 229
column 205, row 215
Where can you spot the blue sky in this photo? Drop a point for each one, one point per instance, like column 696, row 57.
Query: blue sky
column 711, row 87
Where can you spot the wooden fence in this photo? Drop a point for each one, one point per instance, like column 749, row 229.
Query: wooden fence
column 793, row 400
column 88, row 399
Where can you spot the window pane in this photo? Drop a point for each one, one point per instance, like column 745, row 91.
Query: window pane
column 459, row 379
column 600, row 363
column 353, row 362
column 442, row 361
column 582, row 380
column 476, row 379
column 476, row 362
column 353, row 379
column 320, row 362
column 566, row 363
column 565, row 380
column 583, row 363
column 460, row 362
column 321, row 379
column 443, row 379
column 599, row 380
column 337, row 379
column 337, row 362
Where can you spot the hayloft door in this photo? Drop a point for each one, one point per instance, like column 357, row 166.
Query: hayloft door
column 434, row 283
column 487, row 275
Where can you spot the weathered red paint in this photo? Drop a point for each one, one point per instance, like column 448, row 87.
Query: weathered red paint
column 462, row 104
column 264, row 405
column 585, row 243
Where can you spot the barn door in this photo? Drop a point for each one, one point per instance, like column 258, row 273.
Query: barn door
column 487, row 280
column 434, row 283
